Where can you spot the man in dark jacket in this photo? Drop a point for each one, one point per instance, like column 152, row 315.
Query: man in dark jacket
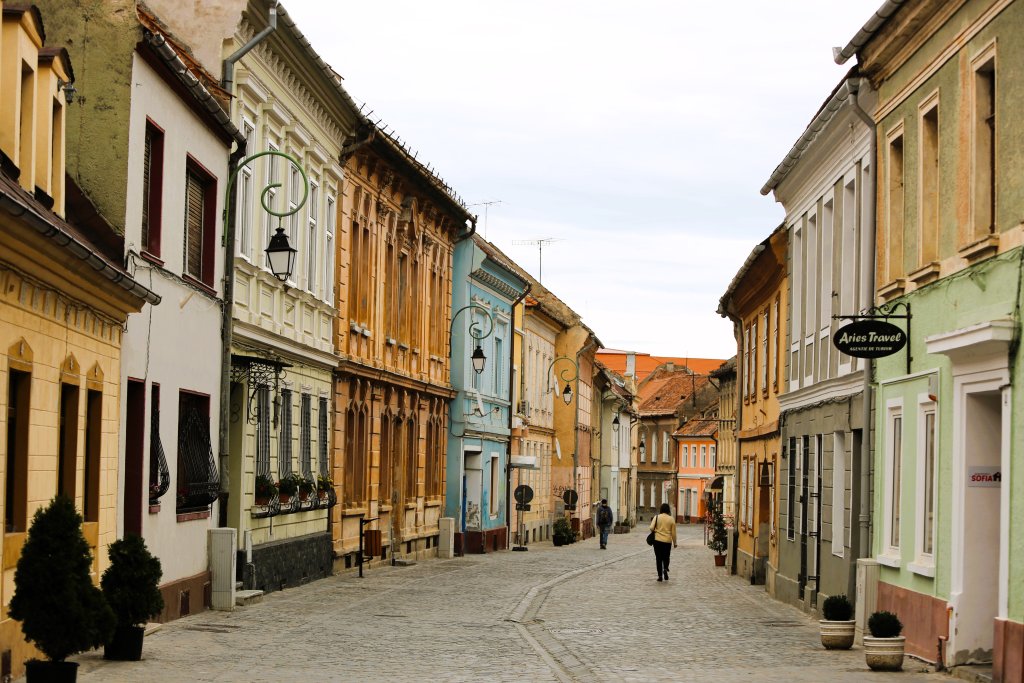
column 605, row 519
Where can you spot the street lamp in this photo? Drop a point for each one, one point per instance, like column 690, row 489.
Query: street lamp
column 643, row 448
column 567, row 392
column 615, row 423
column 281, row 255
column 477, row 357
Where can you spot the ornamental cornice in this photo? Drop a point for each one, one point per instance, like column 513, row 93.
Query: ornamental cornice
column 495, row 283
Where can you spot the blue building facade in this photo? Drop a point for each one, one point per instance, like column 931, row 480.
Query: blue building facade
column 485, row 291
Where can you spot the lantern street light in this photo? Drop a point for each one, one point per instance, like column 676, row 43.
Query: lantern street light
column 477, row 357
column 281, row 255
column 643, row 448
column 564, row 375
column 615, row 423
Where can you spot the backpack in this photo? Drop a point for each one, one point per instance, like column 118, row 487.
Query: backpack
column 604, row 516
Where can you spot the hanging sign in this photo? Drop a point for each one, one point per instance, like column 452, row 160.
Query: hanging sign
column 869, row 339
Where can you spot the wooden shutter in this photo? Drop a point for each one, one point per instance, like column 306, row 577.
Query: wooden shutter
column 147, row 164
column 194, row 225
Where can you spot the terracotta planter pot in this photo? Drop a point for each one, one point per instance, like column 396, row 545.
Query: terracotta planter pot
column 719, row 560
column 303, row 496
column 837, row 635
column 284, row 498
column 41, row 671
column 884, row 654
column 262, row 500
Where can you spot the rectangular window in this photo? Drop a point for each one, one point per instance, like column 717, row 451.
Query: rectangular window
column 665, row 451
column 495, row 497
column 927, row 474
column 746, row 364
column 312, row 214
column 284, row 436
column 200, row 223
column 686, row 455
column 791, row 490
column 263, row 430
column 67, row 453
column 499, row 366
column 152, row 188
column 306, row 435
column 16, row 470
column 244, row 209
column 714, row 457
column 984, row 162
column 411, row 460
column 322, row 414
column 894, row 215
column 764, row 352
column 159, row 473
column 895, row 453
column 198, row 482
column 751, row 471
column 773, row 349
column 703, row 456
column 928, row 231
column 328, row 279
column 838, row 492
column 294, row 197
column 93, row 453
column 270, row 220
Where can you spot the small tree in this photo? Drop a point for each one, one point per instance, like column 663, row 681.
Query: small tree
column 837, row 608
column 719, row 537
column 59, row 608
column 131, row 582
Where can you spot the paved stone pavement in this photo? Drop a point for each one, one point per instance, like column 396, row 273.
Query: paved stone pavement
column 567, row 614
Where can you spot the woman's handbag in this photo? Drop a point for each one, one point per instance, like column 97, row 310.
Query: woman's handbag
column 650, row 536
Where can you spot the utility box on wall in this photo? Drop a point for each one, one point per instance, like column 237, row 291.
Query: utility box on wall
column 222, row 568
column 446, row 538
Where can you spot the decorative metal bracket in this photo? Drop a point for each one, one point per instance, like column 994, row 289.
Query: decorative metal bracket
column 885, row 312
column 257, row 372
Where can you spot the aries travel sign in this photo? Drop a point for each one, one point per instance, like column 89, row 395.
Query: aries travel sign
column 870, row 335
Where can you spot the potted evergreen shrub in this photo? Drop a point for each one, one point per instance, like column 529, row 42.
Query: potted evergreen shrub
column 266, row 489
column 837, row 627
column 131, row 586
column 288, row 487
column 59, row 608
column 719, row 542
column 883, row 649
column 561, row 533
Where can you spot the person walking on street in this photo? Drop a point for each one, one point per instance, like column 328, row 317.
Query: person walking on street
column 664, row 527
column 605, row 519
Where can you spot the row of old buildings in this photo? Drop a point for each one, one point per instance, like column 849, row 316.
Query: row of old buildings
column 219, row 276
column 894, row 476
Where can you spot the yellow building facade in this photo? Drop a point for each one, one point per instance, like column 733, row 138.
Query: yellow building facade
column 63, row 304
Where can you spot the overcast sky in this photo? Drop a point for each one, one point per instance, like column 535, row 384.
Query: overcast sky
column 637, row 134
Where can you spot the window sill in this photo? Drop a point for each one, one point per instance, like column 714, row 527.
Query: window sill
column 892, row 290
column 191, row 516
column 889, row 561
column 201, row 285
column 925, row 274
column 982, row 249
column 922, row 569
column 152, row 258
column 153, row 509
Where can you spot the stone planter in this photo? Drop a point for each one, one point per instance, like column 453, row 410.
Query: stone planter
column 884, row 654
column 837, row 635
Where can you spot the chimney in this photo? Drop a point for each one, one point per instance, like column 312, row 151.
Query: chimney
column 630, row 364
column 670, row 366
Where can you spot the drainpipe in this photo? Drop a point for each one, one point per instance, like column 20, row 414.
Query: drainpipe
column 229, row 265
column 511, row 411
column 228, row 78
column 867, row 297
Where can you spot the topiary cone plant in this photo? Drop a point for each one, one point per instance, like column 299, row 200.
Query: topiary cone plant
column 59, row 608
column 131, row 586
column 719, row 541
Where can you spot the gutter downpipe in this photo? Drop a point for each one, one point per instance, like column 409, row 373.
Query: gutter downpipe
column 511, row 410
column 229, row 265
column 867, row 296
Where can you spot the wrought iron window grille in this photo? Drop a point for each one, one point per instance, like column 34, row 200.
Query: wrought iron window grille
column 159, row 473
column 198, row 480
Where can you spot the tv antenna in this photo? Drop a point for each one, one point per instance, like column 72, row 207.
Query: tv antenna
column 487, row 205
column 540, row 244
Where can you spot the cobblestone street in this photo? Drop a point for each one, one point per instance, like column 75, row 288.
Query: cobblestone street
column 551, row 614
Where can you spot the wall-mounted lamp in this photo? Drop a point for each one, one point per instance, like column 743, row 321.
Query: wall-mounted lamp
column 68, row 88
column 643, row 448
column 565, row 377
column 281, row 255
column 477, row 357
column 615, row 423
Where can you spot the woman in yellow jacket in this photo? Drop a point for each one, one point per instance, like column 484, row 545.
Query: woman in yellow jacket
column 664, row 527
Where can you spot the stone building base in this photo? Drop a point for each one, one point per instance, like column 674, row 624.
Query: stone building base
column 1008, row 653
column 185, row 596
column 924, row 618
column 289, row 562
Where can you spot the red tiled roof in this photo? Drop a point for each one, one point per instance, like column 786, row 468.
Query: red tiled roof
column 662, row 394
column 645, row 363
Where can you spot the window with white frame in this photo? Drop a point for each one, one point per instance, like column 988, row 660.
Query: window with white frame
column 791, row 489
column 270, row 221
column 764, row 351
column 686, row 455
column 751, row 470
column 312, row 215
column 244, row 210
column 894, row 465
column 838, row 492
column 664, row 447
column 714, row 457
column 810, row 296
column 926, row 476
column 328, row 279
column 743, row 492
column 495, row 498
column 294, row 197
